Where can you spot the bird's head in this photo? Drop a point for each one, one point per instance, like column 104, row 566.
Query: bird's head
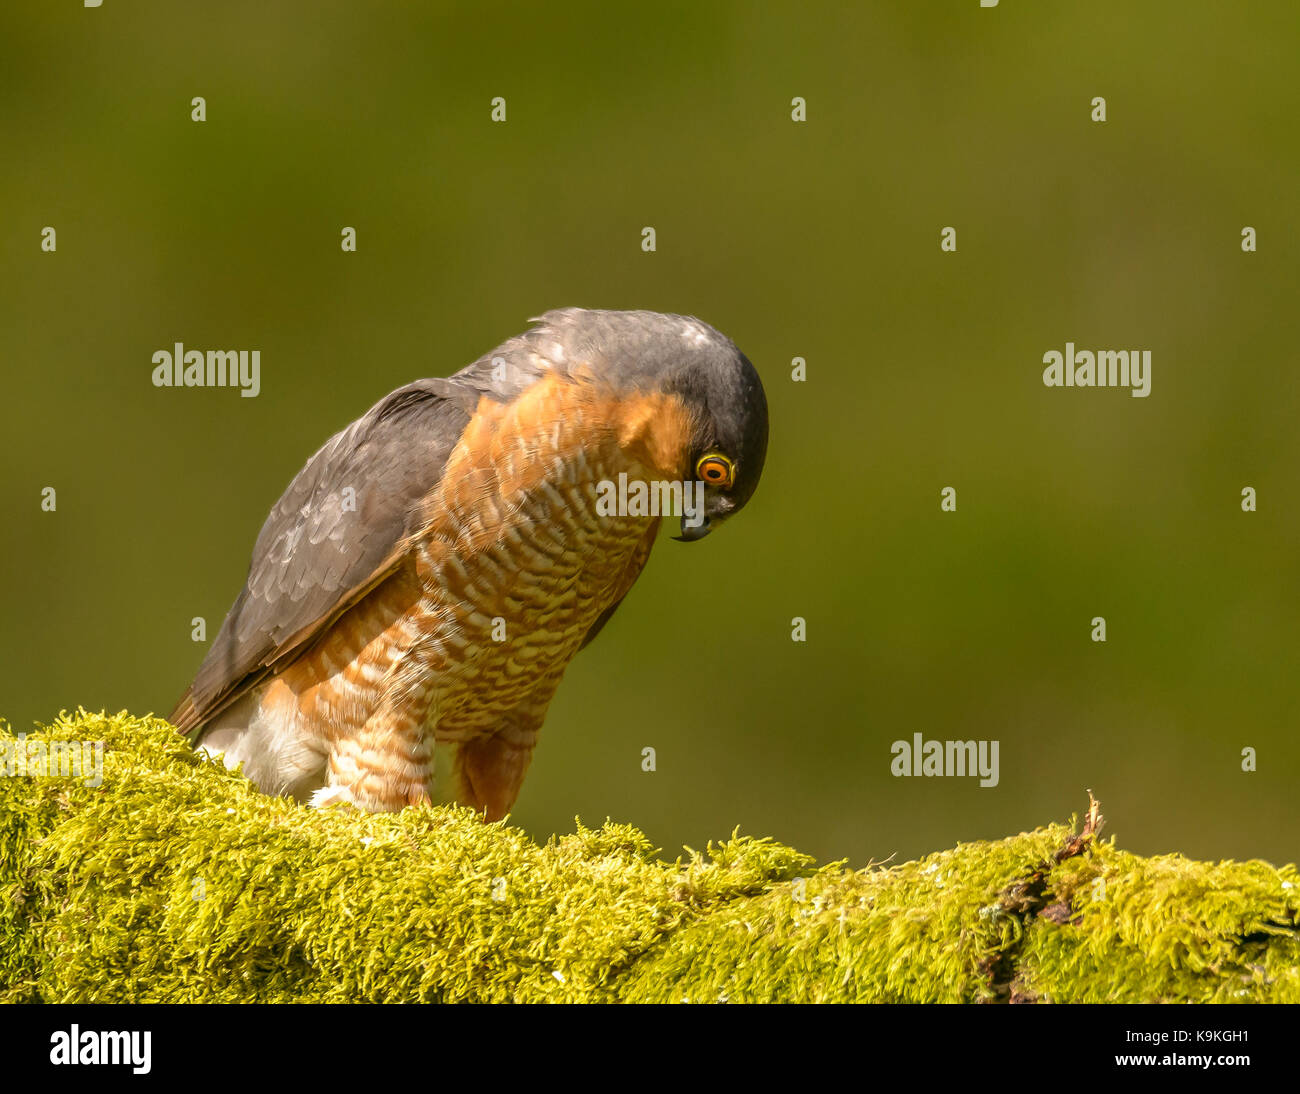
column 675, row 355
column 729, row 440
column 721, row 444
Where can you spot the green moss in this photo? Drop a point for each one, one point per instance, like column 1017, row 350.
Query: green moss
column 1170, row 929
column 177, row 881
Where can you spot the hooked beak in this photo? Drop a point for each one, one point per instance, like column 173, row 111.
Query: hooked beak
column 691, row 534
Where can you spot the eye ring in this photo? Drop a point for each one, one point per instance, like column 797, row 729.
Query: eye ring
column 715, row 469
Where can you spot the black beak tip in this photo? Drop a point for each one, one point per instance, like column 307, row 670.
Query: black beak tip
column 691, row 534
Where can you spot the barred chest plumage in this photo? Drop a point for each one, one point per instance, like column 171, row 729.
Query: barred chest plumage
column 511, row 587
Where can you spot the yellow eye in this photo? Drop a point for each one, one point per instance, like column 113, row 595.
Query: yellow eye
column 715, row 469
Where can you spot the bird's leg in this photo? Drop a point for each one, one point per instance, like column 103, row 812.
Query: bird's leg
column 383, row 767
column 488, row 770
column 489, row 767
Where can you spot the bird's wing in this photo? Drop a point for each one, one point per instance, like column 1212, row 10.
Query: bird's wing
column 339, row 530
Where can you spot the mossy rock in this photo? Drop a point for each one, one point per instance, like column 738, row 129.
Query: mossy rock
column 177, row 881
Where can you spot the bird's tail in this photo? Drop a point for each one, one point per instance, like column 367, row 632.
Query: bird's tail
column 185, row 717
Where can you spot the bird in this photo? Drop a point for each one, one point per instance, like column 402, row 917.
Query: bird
column 430, row 573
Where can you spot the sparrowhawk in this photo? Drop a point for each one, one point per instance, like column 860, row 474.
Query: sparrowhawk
column 431, row 571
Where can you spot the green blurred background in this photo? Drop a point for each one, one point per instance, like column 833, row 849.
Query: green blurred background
column 818, row 240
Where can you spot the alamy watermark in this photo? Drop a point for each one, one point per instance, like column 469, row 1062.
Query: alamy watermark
column 1105, row 368
column 52, row 759
column 181, row 367
column 659, row 498
column 951, row 759
column 75, row 1045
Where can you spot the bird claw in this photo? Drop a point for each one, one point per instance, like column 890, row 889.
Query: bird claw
column 331, row 795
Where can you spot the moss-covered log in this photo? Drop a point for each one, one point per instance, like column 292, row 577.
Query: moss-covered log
column 175, row 880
